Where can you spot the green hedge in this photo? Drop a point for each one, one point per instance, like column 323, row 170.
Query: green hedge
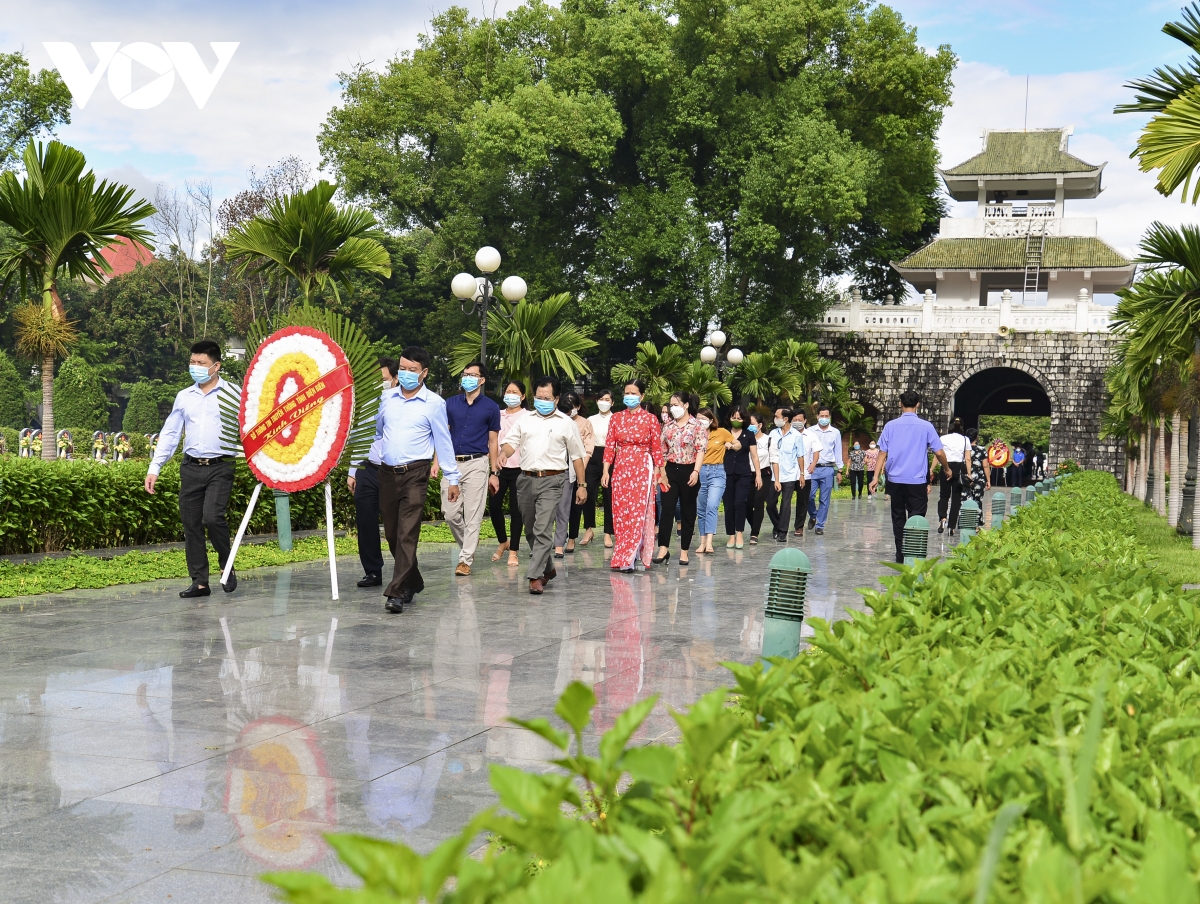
column 1016, row 723
column 56, row 505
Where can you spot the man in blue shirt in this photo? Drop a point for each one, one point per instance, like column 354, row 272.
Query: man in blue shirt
column 206, row 475
column 474, row 421
column 904, row 447
column 364, row 484
column 411, row 428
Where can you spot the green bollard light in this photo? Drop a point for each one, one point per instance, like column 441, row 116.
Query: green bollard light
column 1015, row 498
column 1029, row 494
column 916, row 539
column 283, row 519
column 999, row 507
column 968, row 520
column 1039, row 488
column 790, row 569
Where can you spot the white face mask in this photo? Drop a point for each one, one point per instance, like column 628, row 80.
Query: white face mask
column 604, row 405
column 574, row 411
column 704, row 422
column 678, row 411
column 779, row 422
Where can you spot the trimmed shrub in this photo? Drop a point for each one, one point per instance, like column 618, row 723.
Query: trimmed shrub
column 12, row 440
column 1015, row 723
column 79, row 398
column 50, row 506
column 141, row 412
column 13, row 412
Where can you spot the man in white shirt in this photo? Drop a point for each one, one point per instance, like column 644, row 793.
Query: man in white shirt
column 788, row 467
column 824, row 444
column 364, row 484
column 549, row 444
column 206, row 475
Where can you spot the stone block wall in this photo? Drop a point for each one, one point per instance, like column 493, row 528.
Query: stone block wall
column 1069, row 366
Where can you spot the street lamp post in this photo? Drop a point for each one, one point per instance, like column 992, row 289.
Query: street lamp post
column 478, row 291
column 711, row 353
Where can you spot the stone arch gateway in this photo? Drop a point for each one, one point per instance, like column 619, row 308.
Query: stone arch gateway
column 1069, row 367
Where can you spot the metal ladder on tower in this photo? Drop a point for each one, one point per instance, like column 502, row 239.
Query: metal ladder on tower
column 1035, row 247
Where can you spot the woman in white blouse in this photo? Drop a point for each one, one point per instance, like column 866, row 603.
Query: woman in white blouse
column 958, row 452
column 595, row 467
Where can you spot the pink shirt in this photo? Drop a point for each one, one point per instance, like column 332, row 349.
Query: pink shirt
column 507, row 419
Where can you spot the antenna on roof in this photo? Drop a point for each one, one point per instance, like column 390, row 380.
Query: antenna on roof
column 1027, row 102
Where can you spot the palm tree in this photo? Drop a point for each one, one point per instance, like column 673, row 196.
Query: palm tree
column 520, row 340
column 762, row 376
column 702, row 380
column 62, row 220
column 662, row 371
column 855, row 421
column 820, row 378
column 1170, row 141
column 306, row 237
column 309, row 238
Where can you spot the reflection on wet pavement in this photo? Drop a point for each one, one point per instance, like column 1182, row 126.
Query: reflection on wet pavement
column 154, row 747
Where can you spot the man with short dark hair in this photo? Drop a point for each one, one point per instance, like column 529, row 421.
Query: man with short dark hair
column 206, row 475
column 474, row 421
column 549, row 444
column 788, row 467
column 824, row 445
column 364, row 484
column 904, row 447
column 411, row 427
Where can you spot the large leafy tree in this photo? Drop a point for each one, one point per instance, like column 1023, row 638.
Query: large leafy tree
column 670, row 165
column 31, row 104
column 61, row 220
column 82, row 403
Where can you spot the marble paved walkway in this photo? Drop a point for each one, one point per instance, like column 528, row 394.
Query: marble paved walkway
column 153, row 748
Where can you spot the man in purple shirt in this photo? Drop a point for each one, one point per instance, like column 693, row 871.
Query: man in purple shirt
column 904, row 446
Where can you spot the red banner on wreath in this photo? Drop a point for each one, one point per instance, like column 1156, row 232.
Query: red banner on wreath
column 293, row 409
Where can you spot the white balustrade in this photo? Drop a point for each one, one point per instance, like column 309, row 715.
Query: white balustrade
column 930, row 317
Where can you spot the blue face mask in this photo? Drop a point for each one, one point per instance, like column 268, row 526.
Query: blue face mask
column 753, row 428
column 470, row 384
column 512, row 400
column 545, row 407
column 632, row 401
column 199, row 373
column 823, row 421
column 409, row 380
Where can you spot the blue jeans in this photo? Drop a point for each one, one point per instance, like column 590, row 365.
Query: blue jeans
column 712, row 488
column 822, row 482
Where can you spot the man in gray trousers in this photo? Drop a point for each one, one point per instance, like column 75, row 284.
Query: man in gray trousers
column 549, row 443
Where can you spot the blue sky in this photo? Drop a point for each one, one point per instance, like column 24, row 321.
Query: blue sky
column 282, row 82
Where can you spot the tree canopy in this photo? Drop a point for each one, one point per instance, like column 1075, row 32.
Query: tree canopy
column 670, row 166
column 30, row 105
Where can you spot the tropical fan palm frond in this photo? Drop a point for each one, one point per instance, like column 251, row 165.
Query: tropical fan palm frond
column 520, row 339
column 662, row 371
column 762, row 376
column 309, row 238
column 702, row 380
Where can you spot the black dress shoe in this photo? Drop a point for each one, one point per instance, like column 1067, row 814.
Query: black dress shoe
column 820, row 531
column 370, row 580
column 194, row 591
column 230, row 585
column 664, row 557
column 394, row 605
column 812, row 522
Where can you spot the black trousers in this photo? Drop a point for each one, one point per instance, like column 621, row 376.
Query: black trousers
column 802, row 494
column 508, row 485
column 950, row 494
column 780, row 506
column 595, row 468
column 203, row 499
column 738, row 490
column 908, row 499
column 857, row 483
column 402, row 499
column 366, row 517
column 764, row 502
column 677, row 480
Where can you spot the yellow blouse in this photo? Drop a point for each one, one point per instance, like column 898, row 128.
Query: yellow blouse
column 717, row 438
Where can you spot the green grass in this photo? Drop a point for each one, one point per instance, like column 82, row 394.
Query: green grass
column 82, row 572
column 1176, row 560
